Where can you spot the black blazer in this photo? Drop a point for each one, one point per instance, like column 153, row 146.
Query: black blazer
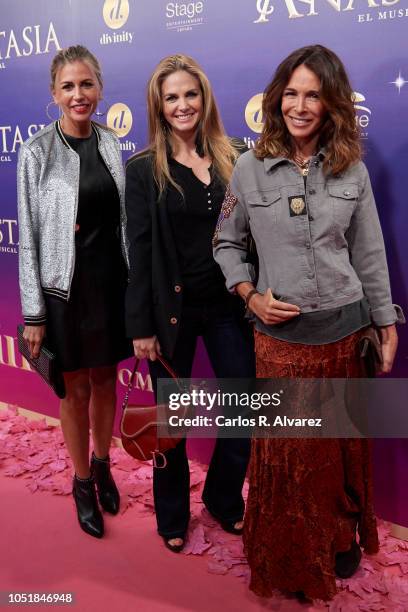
column 155, row 292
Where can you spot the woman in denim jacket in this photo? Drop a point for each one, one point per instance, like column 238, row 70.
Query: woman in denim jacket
column 305, row 196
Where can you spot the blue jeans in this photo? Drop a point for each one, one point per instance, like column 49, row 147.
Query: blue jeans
column 229, row 342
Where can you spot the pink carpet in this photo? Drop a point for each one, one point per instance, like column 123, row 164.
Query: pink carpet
column 44, row 550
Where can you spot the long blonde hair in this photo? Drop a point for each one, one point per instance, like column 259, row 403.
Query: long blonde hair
column 211, row 138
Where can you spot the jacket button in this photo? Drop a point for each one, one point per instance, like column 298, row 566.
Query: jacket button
column 310, row 275
column 311, row 218
column 346, row 193
column 173, row 320
column 312, row 191
column 264, row 198
column 307, row 245
column 177, row 288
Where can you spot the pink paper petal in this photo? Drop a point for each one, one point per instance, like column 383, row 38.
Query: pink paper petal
column 196, row 542
column 58, row 466
column 369, row 606
column 14, row 470
column 240, row 571
column 215, row 568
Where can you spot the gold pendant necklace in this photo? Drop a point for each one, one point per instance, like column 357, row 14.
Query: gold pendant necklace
column 303, row 164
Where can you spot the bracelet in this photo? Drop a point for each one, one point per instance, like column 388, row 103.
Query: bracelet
column 249, row 295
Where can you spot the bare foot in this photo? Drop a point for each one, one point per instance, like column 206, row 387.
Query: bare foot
column 175, row 542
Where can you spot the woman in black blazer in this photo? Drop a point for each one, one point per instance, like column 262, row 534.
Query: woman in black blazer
column 174, row 192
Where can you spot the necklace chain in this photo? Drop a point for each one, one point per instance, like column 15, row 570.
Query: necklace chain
column 303, row 164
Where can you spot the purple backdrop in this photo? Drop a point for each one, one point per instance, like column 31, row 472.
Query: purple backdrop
column 239, row 43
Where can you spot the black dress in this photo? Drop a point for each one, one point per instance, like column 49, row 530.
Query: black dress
column 88, row 330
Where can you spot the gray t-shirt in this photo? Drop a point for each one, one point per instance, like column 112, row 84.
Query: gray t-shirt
column 321, row 327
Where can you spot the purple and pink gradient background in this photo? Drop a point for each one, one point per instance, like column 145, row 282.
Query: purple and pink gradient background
column 239, row 57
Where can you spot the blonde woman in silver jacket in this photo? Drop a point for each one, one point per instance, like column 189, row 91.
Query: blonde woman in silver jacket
column 73, row 269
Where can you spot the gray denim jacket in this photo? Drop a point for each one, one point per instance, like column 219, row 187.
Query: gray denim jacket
column 47, row 189
column 319, row 247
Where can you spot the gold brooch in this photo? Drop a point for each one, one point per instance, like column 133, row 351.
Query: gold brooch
column 297, row 205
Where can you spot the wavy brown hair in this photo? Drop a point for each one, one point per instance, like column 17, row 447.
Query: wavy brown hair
column 339, row 133
column 211, row 138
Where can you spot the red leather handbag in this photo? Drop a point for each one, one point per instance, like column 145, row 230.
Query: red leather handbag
column 139, row 423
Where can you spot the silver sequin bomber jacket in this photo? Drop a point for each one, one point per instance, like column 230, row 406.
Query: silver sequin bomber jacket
column 47, row 191
column 320, row 245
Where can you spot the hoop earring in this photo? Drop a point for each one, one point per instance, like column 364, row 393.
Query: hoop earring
column 101, row 113
column 48, row 114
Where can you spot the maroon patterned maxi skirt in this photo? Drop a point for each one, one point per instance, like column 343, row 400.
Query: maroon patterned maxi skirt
column 307, row 497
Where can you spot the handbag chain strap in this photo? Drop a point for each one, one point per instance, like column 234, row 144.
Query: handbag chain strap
column 164, row 363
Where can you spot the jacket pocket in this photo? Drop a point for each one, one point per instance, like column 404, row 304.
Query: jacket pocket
column 344, row 199
column 264, row 208
column 263, row 198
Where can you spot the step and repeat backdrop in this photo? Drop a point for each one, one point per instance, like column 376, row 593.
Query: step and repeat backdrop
column 239, row 44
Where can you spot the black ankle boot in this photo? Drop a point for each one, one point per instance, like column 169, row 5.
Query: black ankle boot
column 89, row 515
column 105, row 485
column 346, row 563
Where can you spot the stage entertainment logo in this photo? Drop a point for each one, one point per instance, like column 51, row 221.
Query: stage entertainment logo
column 254, row 118
column 11, row 137
column 378, row 10
column 184, row 16
column 363, row 114
column 120, row 119
column 30, row 40
column 8, row 236
column 115, row 15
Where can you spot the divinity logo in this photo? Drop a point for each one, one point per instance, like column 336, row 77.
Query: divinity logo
column 115, row 15
column 253, row 113
column 120, row 119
